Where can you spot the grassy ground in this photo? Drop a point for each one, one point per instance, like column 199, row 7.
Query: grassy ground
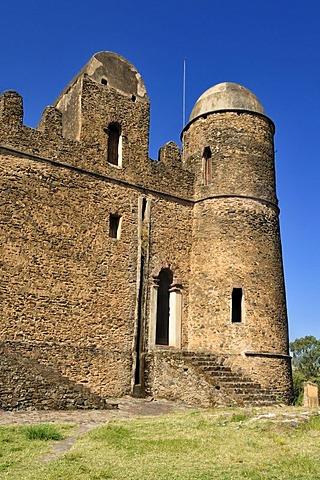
column 192, row 445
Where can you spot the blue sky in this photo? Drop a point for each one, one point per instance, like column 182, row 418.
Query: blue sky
column 269, row 46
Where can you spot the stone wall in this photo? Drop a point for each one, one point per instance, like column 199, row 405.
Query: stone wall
column 170, row 247
column 77, row 299
column 65, row 280
column 242, row 249
column 26, row 383
column 170, row 377
column 69, row 290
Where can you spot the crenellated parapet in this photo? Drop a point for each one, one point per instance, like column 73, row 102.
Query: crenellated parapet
column 170, row 154
column 100, row 124
column 51, row 122
column 11, row 108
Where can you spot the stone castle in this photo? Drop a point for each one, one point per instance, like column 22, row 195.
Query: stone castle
column 123, row 275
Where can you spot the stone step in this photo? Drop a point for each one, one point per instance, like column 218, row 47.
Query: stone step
column 216, row 369
column 205, row 360
column 241, row 386
column 241, row 389
column 238, row 383
column 263, row 393
column 248, row 389
column 258, row 403
column 207, row 365
column 255, row 403
column 198, row 354
column 228, row 379
column 257, row 397
column 225, row 374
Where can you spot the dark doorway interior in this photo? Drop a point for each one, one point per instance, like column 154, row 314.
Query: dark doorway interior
column 162, row 331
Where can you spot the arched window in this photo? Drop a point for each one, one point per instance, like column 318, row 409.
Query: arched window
column 114, row 145
column 207, row 166
column 163, row 306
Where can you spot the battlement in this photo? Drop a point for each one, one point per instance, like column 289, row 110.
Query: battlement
column 11, row 108
column 170, row 154
column 51, row 122
column 100, row 124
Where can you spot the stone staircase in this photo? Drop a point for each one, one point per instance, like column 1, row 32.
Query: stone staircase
column 235, row 386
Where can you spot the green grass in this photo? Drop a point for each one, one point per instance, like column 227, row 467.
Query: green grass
column 43, row 431
column 22, row 446
column 199, row 445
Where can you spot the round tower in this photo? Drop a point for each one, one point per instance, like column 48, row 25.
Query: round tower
column 237, row 293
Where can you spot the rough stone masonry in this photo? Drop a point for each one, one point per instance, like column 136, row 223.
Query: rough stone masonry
column 124, row 275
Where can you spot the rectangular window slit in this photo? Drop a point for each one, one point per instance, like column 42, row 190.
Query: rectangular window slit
column 236, row 308
column 114, row 226
column 143, row 208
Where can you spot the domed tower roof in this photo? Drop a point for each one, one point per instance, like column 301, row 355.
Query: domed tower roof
column 226, row 96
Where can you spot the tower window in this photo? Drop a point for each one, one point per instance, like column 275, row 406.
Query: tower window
column 163, row 307
column 114, row 226
column 207, row 166
column 143, row 208
column 236, row 305
column 114, row 145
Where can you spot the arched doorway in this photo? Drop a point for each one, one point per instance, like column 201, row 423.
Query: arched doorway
column 163, row 296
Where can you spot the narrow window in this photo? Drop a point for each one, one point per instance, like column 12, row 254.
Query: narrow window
column 207, row 166
column 236, row 305
column 113, row 144
column 163, row 298
column 143, row 208
column 114, row 226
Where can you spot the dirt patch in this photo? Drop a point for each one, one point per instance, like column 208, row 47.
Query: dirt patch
column 128, row 407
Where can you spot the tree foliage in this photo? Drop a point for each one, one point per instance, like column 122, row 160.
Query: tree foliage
column 306, row 356
column 305, row 363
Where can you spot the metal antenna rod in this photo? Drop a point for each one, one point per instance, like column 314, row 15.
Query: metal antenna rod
column 184, row 94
